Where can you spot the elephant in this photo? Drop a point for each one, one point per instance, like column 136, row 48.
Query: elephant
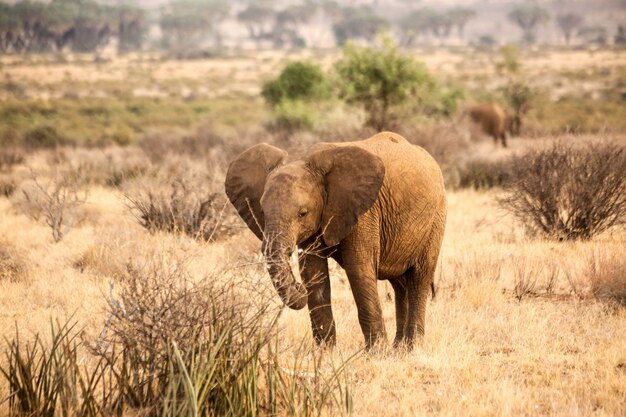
column 492, row 120
column 376, row 206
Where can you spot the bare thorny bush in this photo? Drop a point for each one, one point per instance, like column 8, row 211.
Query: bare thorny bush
column 568, row 192
column 160, row 307
column 173, row 345
column 56, row 200
column 184, row 204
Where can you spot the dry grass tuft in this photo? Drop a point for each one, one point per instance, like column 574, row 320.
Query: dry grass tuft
column 7, row 186
column 13, row 264
column 111, row 166
column 9, row 157
column 606, row 273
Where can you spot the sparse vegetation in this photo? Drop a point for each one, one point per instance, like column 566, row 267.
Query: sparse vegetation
column 56, row 202
column 521, row 324
column 171, row 346
column 568, row 192
column 13, row 264
column 182, row 205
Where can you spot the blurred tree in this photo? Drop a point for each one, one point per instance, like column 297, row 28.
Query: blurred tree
column 299, row 80
column 620, row 37
column 379, row 80
column 528, row 17
column 517, row 92
column 187, row 23
column 358, row 23
column 131, row 29
column 510, row 63
column 519, row 97
column 417, row 23
column 257, row 18
column 289, row 23
column 441, row 24
column 593, row 34
column 568, row 22
column 41, row 27
column 460, row 16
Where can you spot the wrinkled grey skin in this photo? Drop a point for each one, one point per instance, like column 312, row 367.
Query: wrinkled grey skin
column 376, row 206
column 492, row 120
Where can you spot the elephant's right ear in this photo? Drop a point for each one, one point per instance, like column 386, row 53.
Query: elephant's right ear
column 245, row 182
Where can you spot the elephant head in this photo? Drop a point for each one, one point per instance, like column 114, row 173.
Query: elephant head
column 284, row 204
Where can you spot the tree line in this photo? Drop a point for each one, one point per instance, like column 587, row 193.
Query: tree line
column 80, row 25
column 86, row 25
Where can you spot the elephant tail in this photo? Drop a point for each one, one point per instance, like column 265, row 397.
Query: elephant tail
column 433, row 290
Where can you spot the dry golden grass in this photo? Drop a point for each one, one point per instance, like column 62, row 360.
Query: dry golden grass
column 556, row 352
column 520, row 325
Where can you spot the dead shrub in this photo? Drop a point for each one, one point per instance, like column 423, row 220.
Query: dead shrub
column 111, row 166
column 526, row 275
column 568, row 192
column 472, row 269
column 184, row 204
column 607, row 276
column 160, row 307
column 9, row 157
column 13, row 265
column 482, row 173
column 106, row 255
column 56, row 201
column 7, row 186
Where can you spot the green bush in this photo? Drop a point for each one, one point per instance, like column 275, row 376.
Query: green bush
column 380, row 80
column 291, row 116
column 42, row 137
column 299, row 80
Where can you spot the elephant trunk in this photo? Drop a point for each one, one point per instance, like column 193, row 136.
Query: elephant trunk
column 277, row 254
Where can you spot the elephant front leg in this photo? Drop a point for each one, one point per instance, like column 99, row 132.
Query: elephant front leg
column 314, row 273
column 363, row 284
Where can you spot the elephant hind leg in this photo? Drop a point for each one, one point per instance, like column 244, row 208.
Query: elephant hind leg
column 402, row 308
column 420, row 284
column 503, row 139
column 419, row 280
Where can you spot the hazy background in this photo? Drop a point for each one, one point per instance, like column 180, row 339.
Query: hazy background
column 188, row 27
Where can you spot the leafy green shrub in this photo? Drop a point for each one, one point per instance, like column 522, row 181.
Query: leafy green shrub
column 291, row 116
column 381, row 80
column 299, row 80
column 519, row 96
column 568, row 192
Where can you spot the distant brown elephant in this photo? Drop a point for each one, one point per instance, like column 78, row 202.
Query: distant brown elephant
column 492, row 120
column 376, row 206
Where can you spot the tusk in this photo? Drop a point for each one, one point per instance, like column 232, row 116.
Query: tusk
column 295, row 265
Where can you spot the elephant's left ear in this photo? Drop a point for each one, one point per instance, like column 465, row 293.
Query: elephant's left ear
column 352, row 177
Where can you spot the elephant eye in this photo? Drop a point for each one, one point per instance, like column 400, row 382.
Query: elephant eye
column 302, row 213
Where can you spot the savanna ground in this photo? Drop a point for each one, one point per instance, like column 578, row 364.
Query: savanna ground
column 516, row 327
